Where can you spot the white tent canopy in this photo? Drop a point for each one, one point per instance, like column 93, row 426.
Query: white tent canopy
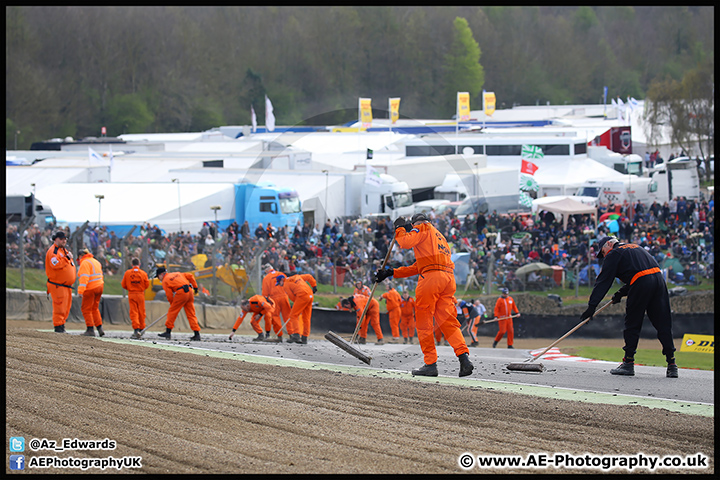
column 565, row 206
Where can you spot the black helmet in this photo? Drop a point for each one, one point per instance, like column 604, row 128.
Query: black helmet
column 419, row 217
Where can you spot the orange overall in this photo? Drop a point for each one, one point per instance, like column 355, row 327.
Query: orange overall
column 372, row 316
column 407, row 317
column 301, row 295
column 435, row 288
column 90, row 286
column 179, row 288
column 392, row 303
column 505, row 307
column 259, row 306
column 280, row 299
column 60, row 271
column 136, row 281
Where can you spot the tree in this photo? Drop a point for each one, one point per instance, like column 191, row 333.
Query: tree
column 463, row 72
column 687, row 108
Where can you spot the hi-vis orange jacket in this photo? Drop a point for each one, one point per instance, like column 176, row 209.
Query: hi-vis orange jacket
column 431, row 250
column 90, row 274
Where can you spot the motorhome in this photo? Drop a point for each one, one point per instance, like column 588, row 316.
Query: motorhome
column 629, row 189
column 675, row 179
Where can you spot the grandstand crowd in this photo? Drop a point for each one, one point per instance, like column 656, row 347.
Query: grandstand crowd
column 679, row 234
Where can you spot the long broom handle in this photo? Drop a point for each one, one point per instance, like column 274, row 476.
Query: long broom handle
column 372, row 291
column 501, row 318
column 153, row 323
column 571, row 331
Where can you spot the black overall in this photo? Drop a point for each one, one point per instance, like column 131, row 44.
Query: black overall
column 646, row 292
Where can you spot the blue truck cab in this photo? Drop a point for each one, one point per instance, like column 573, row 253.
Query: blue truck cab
column 267, row 204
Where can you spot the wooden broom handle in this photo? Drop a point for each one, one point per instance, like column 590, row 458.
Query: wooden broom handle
column 571, row 331
column 372, row 291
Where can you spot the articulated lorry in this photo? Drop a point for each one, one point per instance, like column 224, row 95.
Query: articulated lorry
column 19, row 208
column 387, row 197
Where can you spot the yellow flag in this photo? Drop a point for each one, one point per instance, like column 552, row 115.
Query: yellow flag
column 394, row 110
column 489, row 102
column 366, row 112
column 463, row 106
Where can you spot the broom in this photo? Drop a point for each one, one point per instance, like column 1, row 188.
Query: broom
column 338, row 340
column 501, row 318
column 139, row 335
column 528, row 366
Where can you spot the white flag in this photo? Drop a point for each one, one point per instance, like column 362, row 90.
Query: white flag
column 269, row 117
column 93, row 156
column 372, row 176
column 253, row 119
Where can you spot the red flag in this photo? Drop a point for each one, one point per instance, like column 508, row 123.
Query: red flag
column 528, row 167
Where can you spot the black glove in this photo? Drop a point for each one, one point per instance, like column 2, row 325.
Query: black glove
column 402, row 222
column 314, row 289
column 617, row 297
column 381, row 275
column 587, row 313
column 196, row 290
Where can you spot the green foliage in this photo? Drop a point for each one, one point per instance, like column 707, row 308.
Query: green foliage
column 206, row 114
column 128, row 114
column 463, row 71
column 687, row 107
column 585, row 19
column 70, row 70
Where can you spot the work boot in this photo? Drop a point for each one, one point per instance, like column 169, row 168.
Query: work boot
column 466, row 366
column 90, row 332
column 426, row 370
column 167, row 333
column 136, row 333
column 196, row 337
column 627, row 367
column 494, row 344
column 267, row 334
column 411, row 340
column 303, row 339
column 294, row 338
column 379, row 341
column 362, row 341
column 474, row 344
column 510, row 346
column 60, row 329
column 259, row 338
column 405, row 340
column 100, row 331
column 672, row 370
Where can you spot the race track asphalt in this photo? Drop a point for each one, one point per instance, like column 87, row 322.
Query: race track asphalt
column 567, row 378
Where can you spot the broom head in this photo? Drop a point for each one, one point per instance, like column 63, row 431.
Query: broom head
column 336, row 339
column 526, row 367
